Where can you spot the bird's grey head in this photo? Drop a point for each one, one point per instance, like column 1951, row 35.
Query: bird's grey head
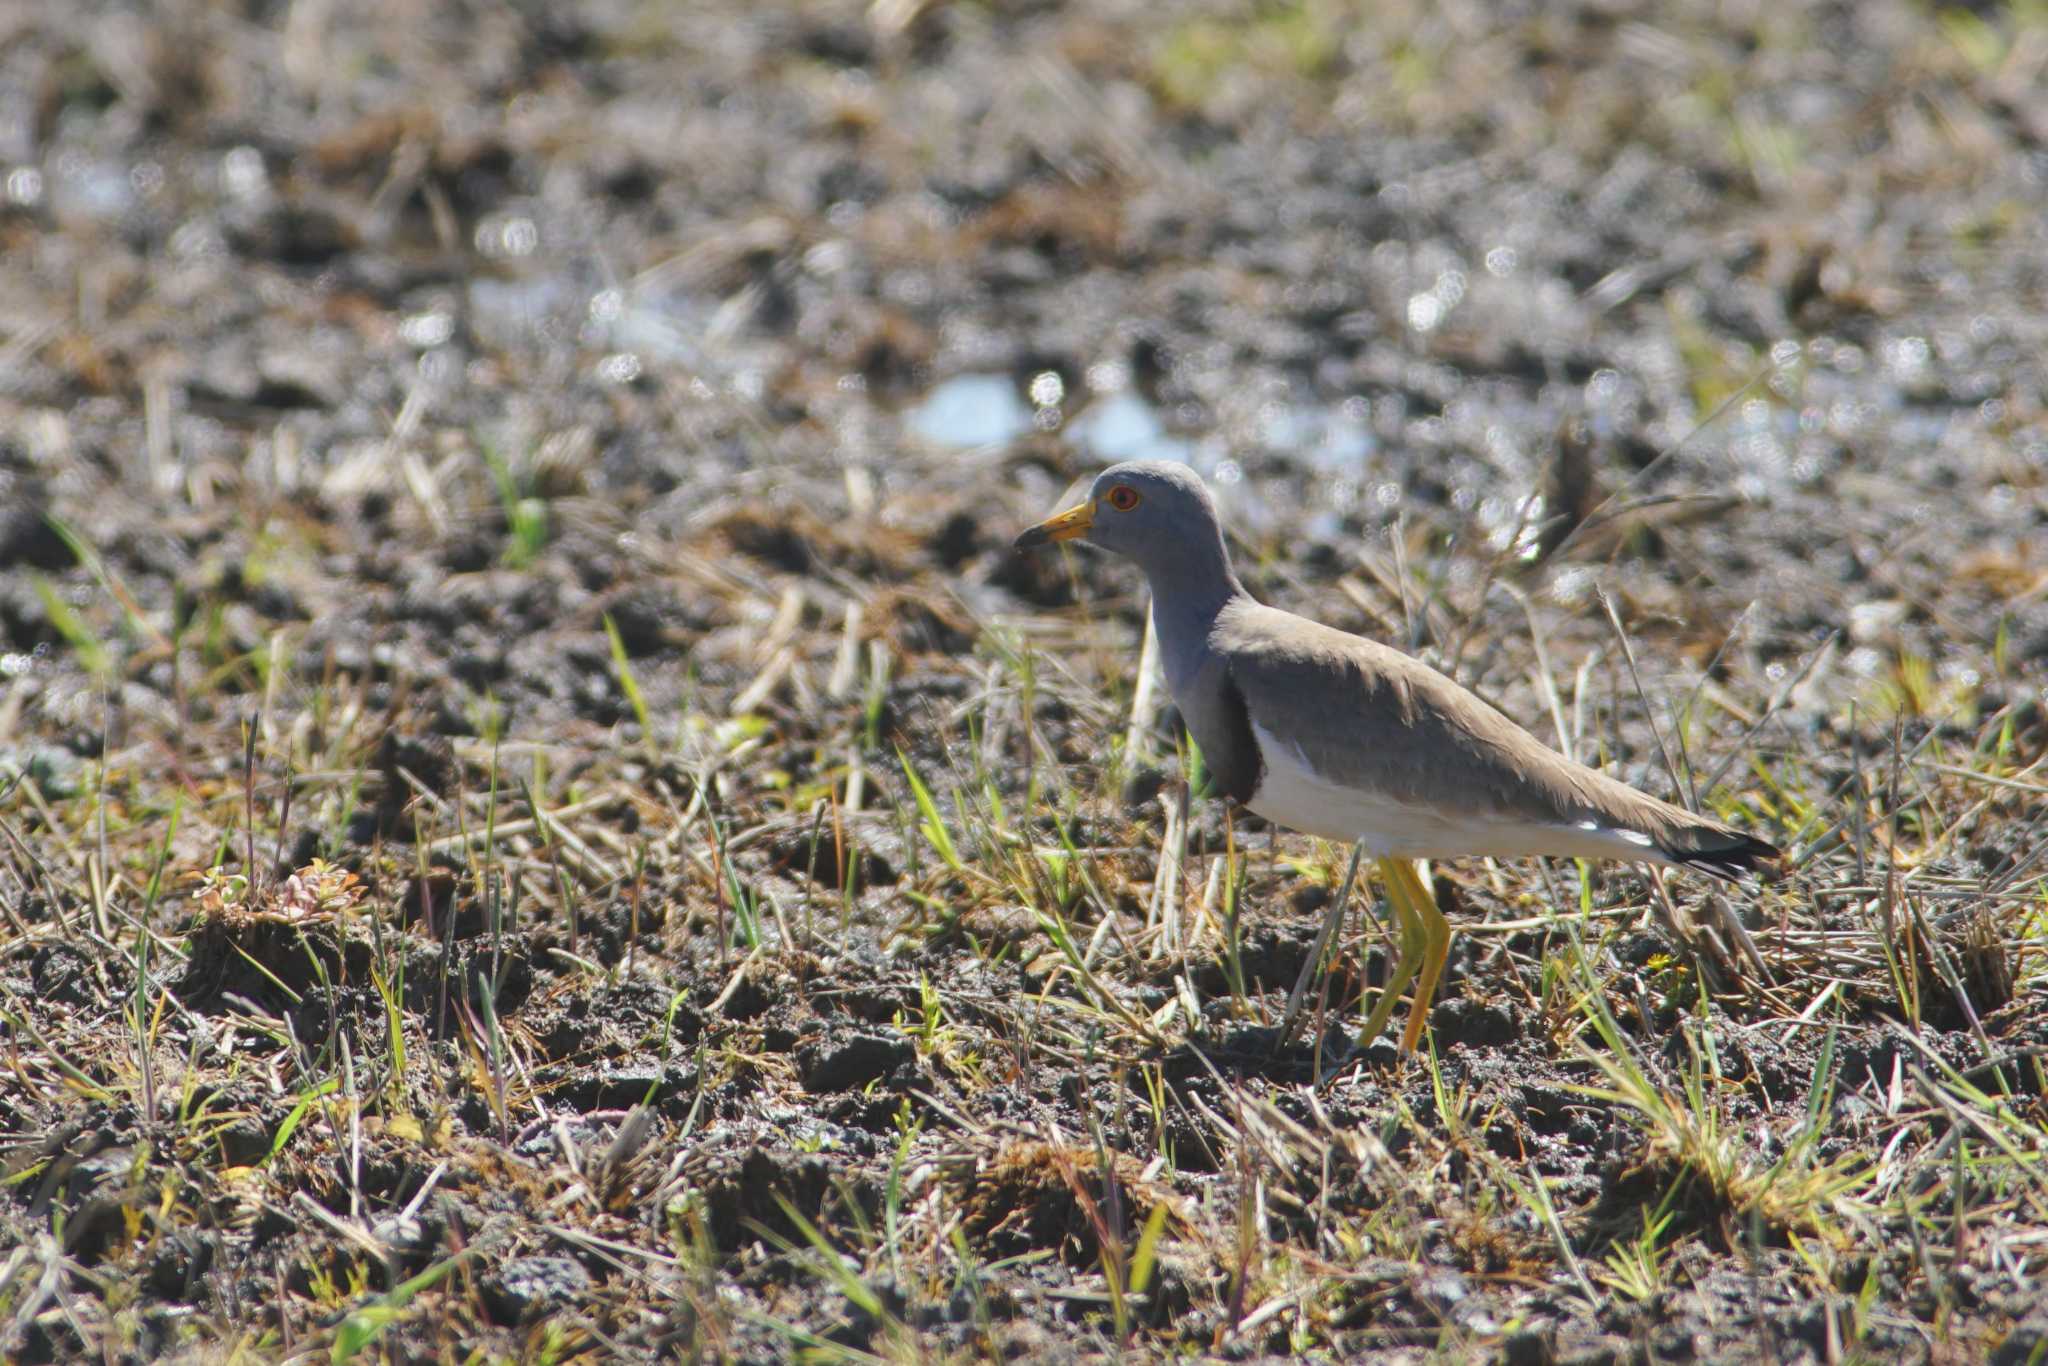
column 1155, row 512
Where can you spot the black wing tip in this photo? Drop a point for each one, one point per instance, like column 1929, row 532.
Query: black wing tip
column 1746, row 856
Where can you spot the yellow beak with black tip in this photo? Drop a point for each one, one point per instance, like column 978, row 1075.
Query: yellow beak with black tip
column 1061, row 526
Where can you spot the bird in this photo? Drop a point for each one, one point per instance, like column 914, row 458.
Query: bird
column 1338, row 735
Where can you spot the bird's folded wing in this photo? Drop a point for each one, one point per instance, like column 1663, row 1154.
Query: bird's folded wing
column 1363, row 715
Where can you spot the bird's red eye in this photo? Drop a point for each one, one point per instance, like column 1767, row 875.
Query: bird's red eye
column 1123, row 497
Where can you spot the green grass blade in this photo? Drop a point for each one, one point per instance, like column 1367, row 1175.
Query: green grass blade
column 298, row 1114
column 628, row 684
column 934, row 826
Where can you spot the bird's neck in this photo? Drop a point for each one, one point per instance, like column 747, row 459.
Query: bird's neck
column 1186, row 599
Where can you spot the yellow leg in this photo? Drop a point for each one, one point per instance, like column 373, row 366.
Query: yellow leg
column 1436, row 948
column 1413, row 935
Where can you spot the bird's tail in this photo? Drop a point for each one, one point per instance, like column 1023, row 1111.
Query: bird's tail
column 1722, row 852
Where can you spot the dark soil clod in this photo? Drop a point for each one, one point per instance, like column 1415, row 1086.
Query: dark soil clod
column 853, row 1061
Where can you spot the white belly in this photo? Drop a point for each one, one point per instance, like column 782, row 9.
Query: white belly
column 1292, row 794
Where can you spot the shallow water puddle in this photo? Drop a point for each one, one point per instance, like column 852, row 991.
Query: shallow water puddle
column 1124, row 426
column 971, row 410
column 987, row 409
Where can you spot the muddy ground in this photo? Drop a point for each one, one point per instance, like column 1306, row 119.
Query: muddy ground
column 540, row 817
